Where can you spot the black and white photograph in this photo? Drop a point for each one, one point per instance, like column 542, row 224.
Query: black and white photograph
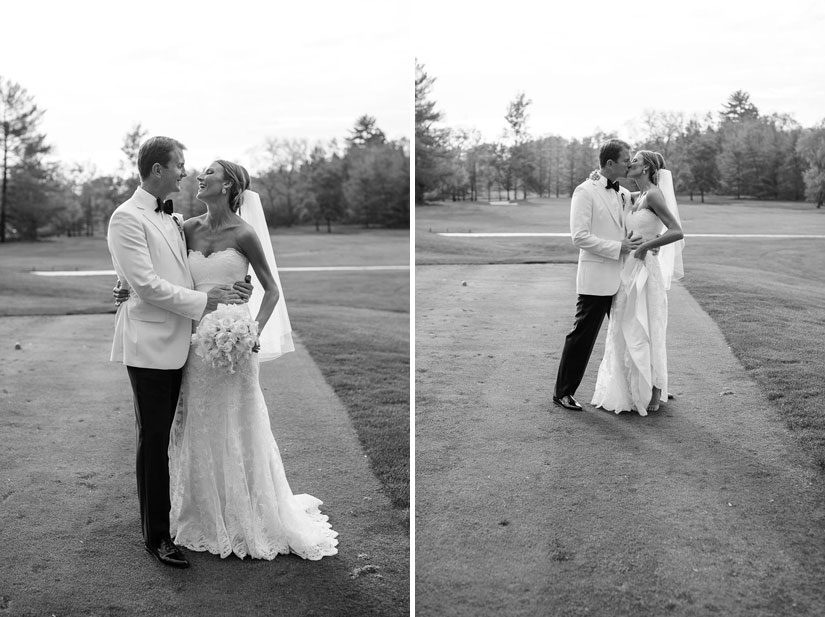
column 205, row 308
column 443, row 309
column 619, row 288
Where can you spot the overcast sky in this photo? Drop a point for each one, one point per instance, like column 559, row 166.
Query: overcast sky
column 219, row 76
column 598, row 65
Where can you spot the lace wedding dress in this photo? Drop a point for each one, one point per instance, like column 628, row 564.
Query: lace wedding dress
column 228, row 488
column 635, row 359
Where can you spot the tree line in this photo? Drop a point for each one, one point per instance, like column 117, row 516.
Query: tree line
column 363, row 181
column 737, row 152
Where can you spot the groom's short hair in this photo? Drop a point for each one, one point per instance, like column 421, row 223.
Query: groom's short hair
column 611, row 150
column 156, row 150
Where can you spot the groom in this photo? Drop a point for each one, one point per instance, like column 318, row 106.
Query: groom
column 597, row 228
column 153, row 329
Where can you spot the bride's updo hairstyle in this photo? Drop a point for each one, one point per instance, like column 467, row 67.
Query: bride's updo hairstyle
column 654, row 162
column 239, row 178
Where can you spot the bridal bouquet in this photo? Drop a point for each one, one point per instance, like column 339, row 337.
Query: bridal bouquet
column 226, row 336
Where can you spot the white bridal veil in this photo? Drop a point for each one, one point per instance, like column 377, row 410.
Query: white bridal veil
column 670, row 255
column 276, row 338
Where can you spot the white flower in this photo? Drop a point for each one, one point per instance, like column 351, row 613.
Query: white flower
column 225, row 337
column 239, row 329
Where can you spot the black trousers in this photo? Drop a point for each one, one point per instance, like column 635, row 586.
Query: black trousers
column 156, row 397
column 578, row 345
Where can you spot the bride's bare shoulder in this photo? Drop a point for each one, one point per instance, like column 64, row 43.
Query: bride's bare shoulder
column 245, row 233
column 655, row 199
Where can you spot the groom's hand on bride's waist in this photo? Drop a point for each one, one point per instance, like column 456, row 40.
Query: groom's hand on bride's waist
column 222, row 294
column 631, row 242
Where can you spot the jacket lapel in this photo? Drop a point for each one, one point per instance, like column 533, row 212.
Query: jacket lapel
column 609, row 203
column 624, row 198
column 173, row 243
column 178, row 220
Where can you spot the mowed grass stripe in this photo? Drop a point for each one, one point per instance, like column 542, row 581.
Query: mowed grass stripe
column 308, row 269
column 504, row 234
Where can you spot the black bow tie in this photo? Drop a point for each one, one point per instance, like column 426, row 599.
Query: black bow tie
column 612, row 185
column 166, row 206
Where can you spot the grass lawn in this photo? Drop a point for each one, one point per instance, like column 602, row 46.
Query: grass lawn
column 766, row 295
column 355, row 324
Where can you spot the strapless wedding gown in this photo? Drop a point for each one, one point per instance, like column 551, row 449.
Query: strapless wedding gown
column 635, row 359
column 228, row 488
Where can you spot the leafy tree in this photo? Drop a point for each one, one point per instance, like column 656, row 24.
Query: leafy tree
column 366, row 133
column 131, row 145
column 503, row 169
column 701, row 158
column 326, row 180
column 19, row 140
column 430, row 142
column 516, row 118
column 130, row 177
column 545, row 169
column 758, row 157
column 734, row 157
column 99, row 198
column 472, row 161
column 35, row 190
column 661, row 130
column 481, row 169
column 282, row 179
column 582, row 158
column 377, row 177
column 811, row 147
column 787, row 165
column 378, row 184
column 456, row 179
column 557, row 147
column 68, row 219
column 738, row 151
column 90, row 198
column 519, row 159
column 739, row 107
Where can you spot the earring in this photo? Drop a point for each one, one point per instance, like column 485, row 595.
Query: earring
column 223, row 191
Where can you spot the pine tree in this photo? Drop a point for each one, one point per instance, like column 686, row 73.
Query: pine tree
column 19, row 139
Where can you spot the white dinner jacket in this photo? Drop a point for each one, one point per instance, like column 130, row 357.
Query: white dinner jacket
column 597, row 230
column 153, row 328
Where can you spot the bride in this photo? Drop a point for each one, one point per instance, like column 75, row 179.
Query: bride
column 229, row 491
column 633, row 371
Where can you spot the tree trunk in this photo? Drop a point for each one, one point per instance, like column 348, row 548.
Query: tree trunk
column 558, row 174
column 3, row 195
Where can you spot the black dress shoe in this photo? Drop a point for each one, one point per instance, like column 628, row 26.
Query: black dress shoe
column 567, row 402
column 168, row 554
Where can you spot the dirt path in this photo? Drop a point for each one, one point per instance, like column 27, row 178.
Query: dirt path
column 69, row 522
column 705, row 508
